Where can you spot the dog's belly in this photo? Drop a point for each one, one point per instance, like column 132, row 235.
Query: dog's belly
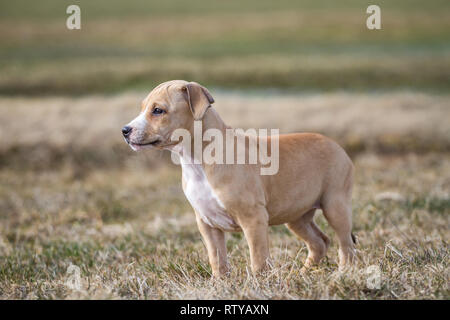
column 288, row 211
column 201, row 196
column 289, row 215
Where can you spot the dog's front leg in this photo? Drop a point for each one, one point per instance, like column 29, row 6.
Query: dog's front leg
column 214, row 240
column 256, row 231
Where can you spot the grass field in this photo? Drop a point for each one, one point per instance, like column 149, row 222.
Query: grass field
column 72, row 192
column 282, row 44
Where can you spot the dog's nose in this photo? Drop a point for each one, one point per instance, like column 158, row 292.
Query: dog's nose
column 126, row 131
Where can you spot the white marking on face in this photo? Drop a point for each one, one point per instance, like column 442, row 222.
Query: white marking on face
column 140, row 122
column 203, row 199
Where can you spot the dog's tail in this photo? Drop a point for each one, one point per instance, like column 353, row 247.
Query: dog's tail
column 353, row 238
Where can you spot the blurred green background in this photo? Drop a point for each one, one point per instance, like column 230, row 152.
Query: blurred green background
column 233, row 44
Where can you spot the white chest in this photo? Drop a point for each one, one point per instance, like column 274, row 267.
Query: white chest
column 201, row 196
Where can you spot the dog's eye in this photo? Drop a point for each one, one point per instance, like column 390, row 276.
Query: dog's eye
column 158, row 111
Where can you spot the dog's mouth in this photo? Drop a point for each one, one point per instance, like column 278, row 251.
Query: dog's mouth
column 137, row 146
column 157, row 143
column 146, row 144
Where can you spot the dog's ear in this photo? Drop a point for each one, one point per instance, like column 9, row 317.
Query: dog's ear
column 199, row 99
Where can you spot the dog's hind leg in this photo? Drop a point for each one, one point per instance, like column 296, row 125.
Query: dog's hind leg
column 317, row 242
column 336, row 204
column 337, row 210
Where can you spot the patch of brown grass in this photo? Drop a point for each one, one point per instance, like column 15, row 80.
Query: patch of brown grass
column 133, row 235
column 71, row 192
column 84, row 132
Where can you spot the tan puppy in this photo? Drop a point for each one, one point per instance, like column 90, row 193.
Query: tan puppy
column 314, row 172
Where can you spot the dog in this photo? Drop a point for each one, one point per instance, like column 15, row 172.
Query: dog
column 314, row 173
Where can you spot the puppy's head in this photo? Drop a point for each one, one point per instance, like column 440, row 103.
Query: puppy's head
column 170, row 106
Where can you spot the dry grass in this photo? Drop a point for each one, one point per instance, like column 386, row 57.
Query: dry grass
column 72, row 193
column 85, row 131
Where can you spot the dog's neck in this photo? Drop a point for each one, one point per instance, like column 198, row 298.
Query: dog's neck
column 211, row 120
